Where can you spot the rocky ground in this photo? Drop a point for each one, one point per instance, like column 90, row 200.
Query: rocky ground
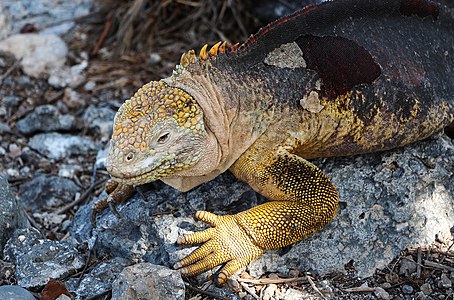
column 392, row 238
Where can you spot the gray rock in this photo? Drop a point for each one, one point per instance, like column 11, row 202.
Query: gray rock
column 43, row 13
column 68, row 171
column 14, row 292
column 407, row 289
column 57, row 146
column 444, row 282
column 99, row 119
column 45, row 118
column 407, row 266
column 381, row 293
column 147, row 231
column 11, row 101
column 38, row 54
column 389, row 200
column 68, row 76
column 148, row 281
column 5, row 23
column 99, row 280
column 426, row 288
column 46, row 191
column 101, row 157
column 12, row 215
column 38, row 260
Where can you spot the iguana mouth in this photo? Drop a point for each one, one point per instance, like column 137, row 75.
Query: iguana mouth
column 152, row 173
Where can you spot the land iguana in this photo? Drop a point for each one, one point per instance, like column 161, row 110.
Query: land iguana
column 335, row 79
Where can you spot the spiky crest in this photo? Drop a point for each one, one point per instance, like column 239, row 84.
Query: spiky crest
column 308, row 20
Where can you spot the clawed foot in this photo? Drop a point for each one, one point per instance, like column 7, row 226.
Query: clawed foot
column 226, row 242
column 117, row 193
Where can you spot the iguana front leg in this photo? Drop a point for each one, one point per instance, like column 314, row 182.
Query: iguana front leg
column 304, row 200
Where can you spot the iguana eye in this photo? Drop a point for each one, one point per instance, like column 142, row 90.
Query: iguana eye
column 163, row 138
column 129, row 156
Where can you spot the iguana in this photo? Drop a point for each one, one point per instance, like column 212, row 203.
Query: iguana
column 335, row 79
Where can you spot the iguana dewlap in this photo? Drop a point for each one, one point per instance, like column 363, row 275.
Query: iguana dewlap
column 339, row 78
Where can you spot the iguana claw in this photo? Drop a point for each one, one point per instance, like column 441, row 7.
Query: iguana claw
column 226, row 242
column 117, row 193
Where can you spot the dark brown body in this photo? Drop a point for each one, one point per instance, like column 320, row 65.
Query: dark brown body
column 380, row 80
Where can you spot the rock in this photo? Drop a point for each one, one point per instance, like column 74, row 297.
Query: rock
column 407, row 266
column 14, row 151
column 45, row 118
column 14, row 292
column 147, row 231
column 68, row 76
column 389, row 200
column 407, row 289
column 68, row 171
column 269, row 291
column 384, row 210
column 38, row 260
column 58, row 146
column 73, row 99
column 45, row 191
column 381, row 293
column 386, row 285
column 11, row 101
column 148, row 281
column 38, row 53
column 426, row 288
column 100, row 120
column 4, row 128
column 101, row 157
column 12, row 215
column 44, row 14
column 444, row 282
column 5, row 23
column 292, row 293
column 99, row 280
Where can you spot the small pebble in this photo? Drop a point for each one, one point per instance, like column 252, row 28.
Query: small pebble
column 12, row 172
column 14, row 292
column 269, row 292
column 444, row 282
column 407, row 289
column 381, row 293
column 420, row 296
column 2, row 151
column 90, row 85
column 407, row 266
column 386, row 285
column 24, row 171
column 11, row 101
column 426, row 288
column 14, row 150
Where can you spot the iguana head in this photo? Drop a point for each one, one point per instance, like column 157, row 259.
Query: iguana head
column 157, row 133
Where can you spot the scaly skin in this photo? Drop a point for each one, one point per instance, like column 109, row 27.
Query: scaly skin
column 365, row 81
